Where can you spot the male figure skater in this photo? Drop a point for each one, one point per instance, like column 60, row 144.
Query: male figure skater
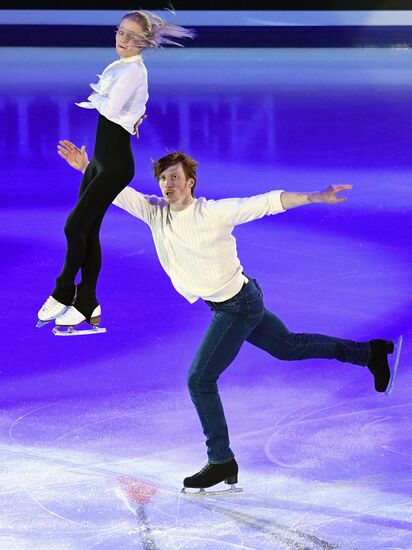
column 194, row 242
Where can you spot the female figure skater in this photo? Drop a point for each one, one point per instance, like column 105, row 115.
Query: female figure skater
column 120, row 97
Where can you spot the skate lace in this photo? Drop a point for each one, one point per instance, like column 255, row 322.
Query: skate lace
column 49, row 304
column 206, row 469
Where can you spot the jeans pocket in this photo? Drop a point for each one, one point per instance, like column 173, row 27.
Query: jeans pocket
column 258, row 286
column 255, row 306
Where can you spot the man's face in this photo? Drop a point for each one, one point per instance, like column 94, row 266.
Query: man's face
column 176, row 189
column 128, row 38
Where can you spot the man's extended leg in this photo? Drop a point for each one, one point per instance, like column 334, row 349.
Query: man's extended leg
column 272, row 336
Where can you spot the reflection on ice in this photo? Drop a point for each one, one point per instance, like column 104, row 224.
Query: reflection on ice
column 351, row 494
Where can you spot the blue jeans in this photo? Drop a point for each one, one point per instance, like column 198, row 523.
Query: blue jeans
column 241, row 318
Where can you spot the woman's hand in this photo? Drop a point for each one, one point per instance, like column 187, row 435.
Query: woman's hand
column 138, row 123
column 77, row 158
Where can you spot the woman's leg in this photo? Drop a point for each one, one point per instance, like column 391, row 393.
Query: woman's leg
column 82, row 230
column 65, row 288
column 86, row 299
column 110, row 170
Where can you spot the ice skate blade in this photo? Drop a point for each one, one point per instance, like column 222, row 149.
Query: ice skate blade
column 207, row 493
column 71, row 331
column 394, row 367
column 40, row 324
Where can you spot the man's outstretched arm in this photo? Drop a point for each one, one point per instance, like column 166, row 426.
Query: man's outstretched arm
column 77, row 158
column 328, row 195
column 237, row 211
column 139, row 205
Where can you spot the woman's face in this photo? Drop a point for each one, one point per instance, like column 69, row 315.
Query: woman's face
column 129, row 38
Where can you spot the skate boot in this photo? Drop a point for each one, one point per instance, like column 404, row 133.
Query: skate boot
column 379, row 365
column 73, row 318
column 50, row 310
column 210, row 475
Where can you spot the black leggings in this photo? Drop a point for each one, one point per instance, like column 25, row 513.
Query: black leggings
column 110, row 170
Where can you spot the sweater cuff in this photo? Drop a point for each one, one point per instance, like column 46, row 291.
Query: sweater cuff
column 275, row 202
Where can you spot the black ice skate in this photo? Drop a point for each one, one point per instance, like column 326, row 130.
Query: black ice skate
column 383, row 373
column 211, row 475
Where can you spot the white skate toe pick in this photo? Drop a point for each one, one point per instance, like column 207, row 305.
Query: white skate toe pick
column 50, row 310
column 72, row 318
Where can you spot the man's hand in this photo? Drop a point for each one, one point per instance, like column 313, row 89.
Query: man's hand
column 328, row 195
column 77, row 158
column 138, row 123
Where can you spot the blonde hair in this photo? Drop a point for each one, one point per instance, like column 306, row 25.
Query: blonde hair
column 156, row 31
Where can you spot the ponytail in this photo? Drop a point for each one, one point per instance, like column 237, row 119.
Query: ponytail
column 156, row 31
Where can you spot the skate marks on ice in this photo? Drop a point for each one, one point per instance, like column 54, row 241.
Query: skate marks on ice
column 79, row 501
column 76, row 505
column 25, row 415
column 78, row 484
column 151, row 507
column 344, row 452
column 136, row 494
column 308, row 437
column 62, row 487
column 287, row 536
column 83, row 487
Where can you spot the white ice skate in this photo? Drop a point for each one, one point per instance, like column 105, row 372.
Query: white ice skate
column 394, row 365
column 50, row 310
column 66, row 323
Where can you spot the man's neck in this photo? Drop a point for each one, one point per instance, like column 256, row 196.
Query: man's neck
column 179, row 207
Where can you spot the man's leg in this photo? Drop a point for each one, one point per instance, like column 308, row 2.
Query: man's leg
column 229, row 328
column 272, row 336
column 218, row 349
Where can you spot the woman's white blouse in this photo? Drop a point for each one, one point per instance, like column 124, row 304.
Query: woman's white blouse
column 121, row 93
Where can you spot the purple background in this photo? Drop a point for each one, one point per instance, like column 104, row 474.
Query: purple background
column 324, row 461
